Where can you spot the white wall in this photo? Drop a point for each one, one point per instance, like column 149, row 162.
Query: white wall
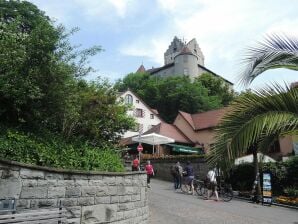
column 145, row 121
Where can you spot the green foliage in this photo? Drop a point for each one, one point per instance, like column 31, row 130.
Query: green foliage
column 255, row 119
column 284, row 176
column 63, row 120
column 217, row 87
column 54, row 151
column 171, row 94
column 276, row 51
column 242, row 177
column 41, row 87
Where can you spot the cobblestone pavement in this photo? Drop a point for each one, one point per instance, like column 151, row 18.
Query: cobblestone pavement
column 169, row 207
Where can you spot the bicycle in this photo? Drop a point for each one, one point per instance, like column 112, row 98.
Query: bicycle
column 185, row 186
column 224, row 191
column 200, row 187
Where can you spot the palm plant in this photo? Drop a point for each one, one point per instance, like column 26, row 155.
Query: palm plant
column 255, row 120
column 277, row 51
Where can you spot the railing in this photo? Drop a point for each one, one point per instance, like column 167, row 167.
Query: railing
column 162, row 156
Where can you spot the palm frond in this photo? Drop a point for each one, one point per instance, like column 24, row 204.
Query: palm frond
column 277, row 51
column 255, row 118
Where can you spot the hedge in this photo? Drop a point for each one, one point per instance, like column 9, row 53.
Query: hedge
column 284, row 176
column 53, row 151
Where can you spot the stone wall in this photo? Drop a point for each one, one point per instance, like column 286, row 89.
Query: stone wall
column 163, row 167
column 89, row 197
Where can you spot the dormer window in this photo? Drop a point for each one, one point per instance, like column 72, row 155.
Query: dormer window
column 128, row 99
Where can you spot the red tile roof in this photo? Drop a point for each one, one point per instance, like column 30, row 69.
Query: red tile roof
column 208, row 119
column 169, row 130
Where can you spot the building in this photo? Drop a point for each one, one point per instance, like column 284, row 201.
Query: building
column 199, row 127
column 145, row 117
column 182, row 59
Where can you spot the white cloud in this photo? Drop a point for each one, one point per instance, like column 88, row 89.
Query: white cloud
column 152, row 49
column 223, row 29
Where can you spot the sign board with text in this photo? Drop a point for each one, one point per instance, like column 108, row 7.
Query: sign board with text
column 267, row 188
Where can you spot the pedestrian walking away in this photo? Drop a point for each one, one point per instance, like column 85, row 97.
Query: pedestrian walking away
column 212, row 183
column 150, row 172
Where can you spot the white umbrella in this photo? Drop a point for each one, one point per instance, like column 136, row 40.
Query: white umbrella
column 249, row 159
column 153, row 139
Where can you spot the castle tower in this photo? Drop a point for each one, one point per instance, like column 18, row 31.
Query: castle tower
column 196, row 50
column 174, row 49
column 186, row 63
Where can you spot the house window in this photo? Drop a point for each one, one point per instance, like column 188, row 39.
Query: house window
column 137, row 101
column 139, row 112
column 128, row 99
column 151, row 116
column 185, row 71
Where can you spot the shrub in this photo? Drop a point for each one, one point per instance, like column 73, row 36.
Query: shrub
column 284, row 176
column 55, row 152
column 242, row 177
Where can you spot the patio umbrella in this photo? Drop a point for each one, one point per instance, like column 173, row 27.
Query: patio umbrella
column 153, row 139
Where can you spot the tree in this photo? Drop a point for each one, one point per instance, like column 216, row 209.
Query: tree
column 255, row 120
column 217, row 87
column 171, row 94
column 41, row 85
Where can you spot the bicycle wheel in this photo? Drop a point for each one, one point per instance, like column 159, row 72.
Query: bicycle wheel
column 227, row 195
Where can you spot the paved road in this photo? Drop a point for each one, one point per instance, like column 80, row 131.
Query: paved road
column 168, row 207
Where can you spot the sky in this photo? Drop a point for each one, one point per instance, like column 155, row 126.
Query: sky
column 135, row 32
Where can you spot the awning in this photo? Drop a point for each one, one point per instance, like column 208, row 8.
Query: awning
column 185, row 149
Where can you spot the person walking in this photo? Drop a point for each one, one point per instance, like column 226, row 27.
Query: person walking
column 189, row 177
column 136, row 164
column 150, row 172
column 212, row 183
column 179, row 173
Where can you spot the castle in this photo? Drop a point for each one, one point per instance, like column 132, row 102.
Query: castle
column 182, row 59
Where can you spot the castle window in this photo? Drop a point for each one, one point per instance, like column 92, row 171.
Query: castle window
column 151, row 116
column 175, row 49
column 128, row 99
column 137, row 101
column 185, row 71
